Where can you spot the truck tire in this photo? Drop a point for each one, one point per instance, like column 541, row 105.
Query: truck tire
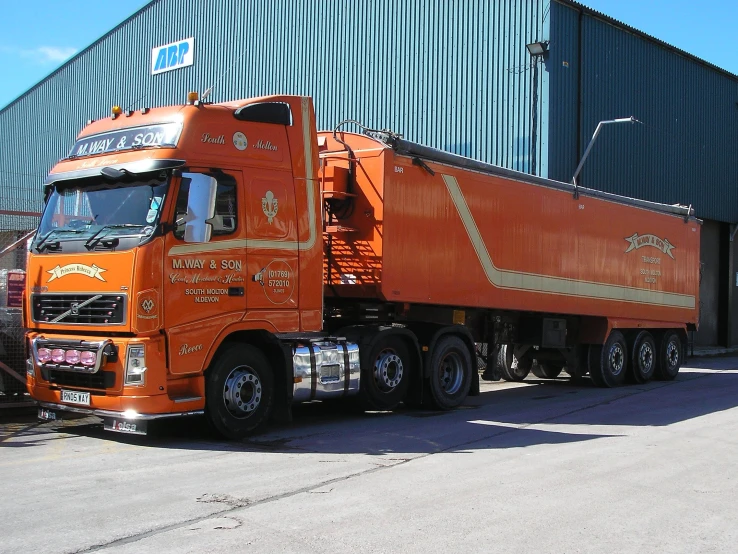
column 643, row 358
column 608, row 364
column 670, row 356
column 547, row 370
column 385, row 376
column 239, row 391
column 450, row 372
column 512, row 368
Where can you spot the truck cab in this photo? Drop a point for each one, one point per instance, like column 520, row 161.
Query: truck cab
column 166, row 232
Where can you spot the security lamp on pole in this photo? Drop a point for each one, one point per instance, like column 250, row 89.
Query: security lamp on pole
column 537, row 48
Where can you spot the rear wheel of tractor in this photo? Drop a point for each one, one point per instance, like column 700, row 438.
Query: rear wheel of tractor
column 240, row 391
column 669, row 356
column 643, row 358
column 608, row 363
column 450, row 372
column 386, row 377
column 547, row 370
column 512, row 368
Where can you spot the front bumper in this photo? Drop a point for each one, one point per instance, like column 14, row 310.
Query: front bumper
column 129, row 415
column 128, row 422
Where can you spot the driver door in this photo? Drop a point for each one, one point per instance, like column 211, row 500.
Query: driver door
column 204, row 281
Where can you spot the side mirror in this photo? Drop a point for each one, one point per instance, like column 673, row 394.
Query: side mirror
column 200, row 207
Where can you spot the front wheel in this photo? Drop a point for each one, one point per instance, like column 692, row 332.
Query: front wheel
column 450, row 372
column 240, row 391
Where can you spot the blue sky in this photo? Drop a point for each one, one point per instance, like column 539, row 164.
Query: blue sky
column 37, row 36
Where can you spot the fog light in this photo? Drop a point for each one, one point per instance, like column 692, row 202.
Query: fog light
column 72, row 357
column 57, row 355
column 44, row 355
column 88, row 358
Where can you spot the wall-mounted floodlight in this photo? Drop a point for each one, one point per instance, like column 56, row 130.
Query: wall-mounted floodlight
column 537, row 48
column 630, row 119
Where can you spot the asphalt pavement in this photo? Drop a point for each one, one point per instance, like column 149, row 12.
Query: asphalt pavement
column 542, row 466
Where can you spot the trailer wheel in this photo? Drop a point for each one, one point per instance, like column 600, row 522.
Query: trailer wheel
column 644, row 357
column 450, row 372
column 240, row 391
column 608, row 363
column 512, row 368
column 547, row 370
column 386, row 377
column 669, row 356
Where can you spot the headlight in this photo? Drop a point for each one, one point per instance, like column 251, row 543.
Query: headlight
column 135, row 364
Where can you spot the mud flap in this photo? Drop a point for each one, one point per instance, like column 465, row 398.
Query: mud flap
column 474, row 390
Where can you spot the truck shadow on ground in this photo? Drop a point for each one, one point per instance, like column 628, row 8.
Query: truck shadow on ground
column 535, row 412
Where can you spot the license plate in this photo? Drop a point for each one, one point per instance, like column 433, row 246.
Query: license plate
column 46, row 415
column 75, row 397
column 137, row 427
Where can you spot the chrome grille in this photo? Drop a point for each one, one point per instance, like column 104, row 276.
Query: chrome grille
column 79, row 309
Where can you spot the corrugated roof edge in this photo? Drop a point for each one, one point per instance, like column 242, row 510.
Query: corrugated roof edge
column 77, row 55
column 570, row 3
column 625, row 26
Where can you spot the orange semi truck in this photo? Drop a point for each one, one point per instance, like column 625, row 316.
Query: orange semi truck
column 229, row 260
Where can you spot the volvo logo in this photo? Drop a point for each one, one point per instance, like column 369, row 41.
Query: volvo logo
column 74, row 308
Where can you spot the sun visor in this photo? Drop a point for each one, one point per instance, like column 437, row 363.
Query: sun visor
column 139, row 167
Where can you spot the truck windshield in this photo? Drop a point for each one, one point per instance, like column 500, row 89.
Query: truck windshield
column 88, row 215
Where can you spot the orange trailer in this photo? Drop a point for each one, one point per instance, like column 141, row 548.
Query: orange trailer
column 228, row 260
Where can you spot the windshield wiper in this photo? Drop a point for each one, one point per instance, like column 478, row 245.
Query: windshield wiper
column 97, row 237
column 40, row 245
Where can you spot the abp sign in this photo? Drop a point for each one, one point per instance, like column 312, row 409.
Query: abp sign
column 174, row 55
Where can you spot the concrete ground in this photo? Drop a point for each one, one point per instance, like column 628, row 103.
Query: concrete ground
column 533, row 467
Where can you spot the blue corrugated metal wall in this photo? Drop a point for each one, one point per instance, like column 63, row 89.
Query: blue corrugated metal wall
column 453, row 75
column 685, row 151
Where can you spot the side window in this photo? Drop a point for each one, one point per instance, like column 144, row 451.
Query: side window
column 225, row 220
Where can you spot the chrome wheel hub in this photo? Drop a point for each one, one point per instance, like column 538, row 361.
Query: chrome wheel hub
column 388, row 370
column 451, row 373
column 616, row 359
column 672, row 354
column 242, row 392
column 645, row 357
